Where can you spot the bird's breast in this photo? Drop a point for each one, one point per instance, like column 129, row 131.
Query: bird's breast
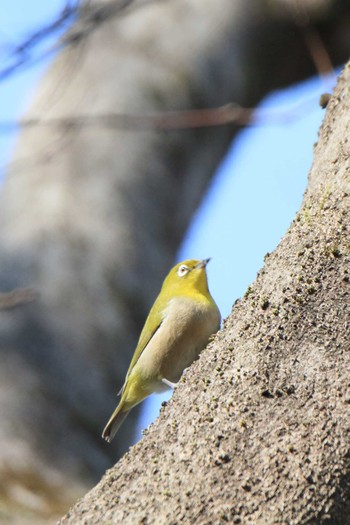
column 184, row 332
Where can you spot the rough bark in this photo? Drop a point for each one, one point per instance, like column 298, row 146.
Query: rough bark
column 91, row 218
column 258, row 429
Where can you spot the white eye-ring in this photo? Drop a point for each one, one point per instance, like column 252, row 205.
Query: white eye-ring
column 183, row 269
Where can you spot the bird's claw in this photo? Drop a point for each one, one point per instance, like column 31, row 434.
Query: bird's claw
column 169, row 383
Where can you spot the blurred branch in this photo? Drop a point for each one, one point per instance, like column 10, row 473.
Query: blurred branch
column 198, row 118
column 17, row 297
column 313, row 41
column 21, row 54
column 90, row 17
column 317, row 50
column 230, row 113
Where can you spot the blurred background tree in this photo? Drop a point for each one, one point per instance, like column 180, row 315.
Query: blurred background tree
column 114, row 156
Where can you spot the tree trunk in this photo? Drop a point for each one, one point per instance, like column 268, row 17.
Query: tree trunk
column 258, row 430
column 91, row 217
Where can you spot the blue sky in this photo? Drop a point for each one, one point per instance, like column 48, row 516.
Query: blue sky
column 18, row 20
column 254, row 196
column 256, row 193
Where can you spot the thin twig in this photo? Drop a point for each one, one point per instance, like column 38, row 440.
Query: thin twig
column 313, row 41
column 89, row 18
column 168, row 120
column 21, row 54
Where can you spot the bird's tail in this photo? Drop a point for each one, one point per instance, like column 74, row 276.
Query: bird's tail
column 114, row 423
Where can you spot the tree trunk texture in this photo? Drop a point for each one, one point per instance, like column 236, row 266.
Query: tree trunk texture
column 91, row 218
column 258, row 430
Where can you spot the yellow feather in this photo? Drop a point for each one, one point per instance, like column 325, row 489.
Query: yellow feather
column 177, row 328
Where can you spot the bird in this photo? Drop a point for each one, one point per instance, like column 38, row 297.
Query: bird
column 177, row 329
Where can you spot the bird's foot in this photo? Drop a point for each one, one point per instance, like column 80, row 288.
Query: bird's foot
column 169, row 383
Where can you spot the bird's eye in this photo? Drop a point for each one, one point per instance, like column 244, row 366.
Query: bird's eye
column 183, row 269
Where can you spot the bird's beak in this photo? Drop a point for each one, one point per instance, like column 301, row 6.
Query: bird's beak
column 202, row 264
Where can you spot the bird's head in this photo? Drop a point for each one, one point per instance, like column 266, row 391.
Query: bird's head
column 188, row 277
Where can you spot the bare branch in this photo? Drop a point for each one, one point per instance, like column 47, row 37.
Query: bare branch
column 90, row 17
column 21, row 55
column 166, row 120
column 313, row 41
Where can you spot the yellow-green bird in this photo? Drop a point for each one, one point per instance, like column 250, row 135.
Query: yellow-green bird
column 177, row 329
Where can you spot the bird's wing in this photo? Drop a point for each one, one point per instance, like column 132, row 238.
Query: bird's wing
column 153, row 322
